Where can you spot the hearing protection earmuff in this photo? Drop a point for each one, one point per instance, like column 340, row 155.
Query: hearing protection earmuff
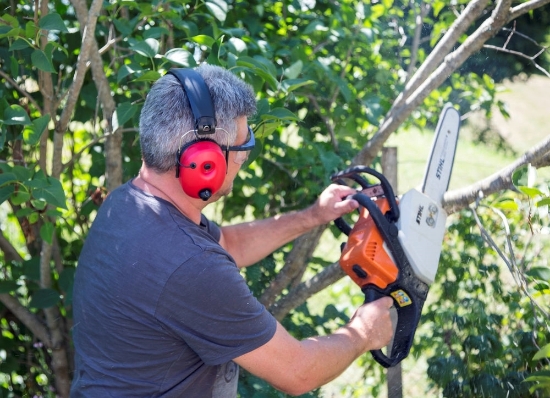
column 201, row 165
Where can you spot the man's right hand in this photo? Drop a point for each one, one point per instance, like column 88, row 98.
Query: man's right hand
column 372, row 323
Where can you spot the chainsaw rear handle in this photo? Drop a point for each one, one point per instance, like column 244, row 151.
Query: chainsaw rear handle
column 408, row 317
column 353, row 174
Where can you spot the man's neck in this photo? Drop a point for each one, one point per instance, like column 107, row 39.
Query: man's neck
column 167, row 187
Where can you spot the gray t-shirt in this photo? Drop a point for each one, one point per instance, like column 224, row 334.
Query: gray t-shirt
column 160, row 308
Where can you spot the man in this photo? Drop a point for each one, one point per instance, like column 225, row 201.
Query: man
column 160, row 308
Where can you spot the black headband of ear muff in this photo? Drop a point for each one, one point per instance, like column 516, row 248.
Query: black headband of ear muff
column 199, row 99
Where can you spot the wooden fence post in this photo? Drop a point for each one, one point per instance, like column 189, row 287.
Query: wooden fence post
column 394, row 374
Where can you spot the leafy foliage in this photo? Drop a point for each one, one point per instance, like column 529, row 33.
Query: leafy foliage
column 325, row 74
column 485, row 327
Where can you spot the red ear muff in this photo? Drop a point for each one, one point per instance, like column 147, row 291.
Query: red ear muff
column 202, row 168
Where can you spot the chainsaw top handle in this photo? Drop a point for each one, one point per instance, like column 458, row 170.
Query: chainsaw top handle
column 353, row 173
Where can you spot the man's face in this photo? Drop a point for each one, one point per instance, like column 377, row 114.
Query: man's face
column 235, row 159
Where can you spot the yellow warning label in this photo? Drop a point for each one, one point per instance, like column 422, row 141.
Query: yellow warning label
column 402, row 298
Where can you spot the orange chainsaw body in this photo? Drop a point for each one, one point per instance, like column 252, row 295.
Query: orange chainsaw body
column 364, row 258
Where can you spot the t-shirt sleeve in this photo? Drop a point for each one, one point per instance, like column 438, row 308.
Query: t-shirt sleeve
column 207, row 303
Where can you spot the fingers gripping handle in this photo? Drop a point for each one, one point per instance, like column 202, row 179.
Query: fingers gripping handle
column 408, row 316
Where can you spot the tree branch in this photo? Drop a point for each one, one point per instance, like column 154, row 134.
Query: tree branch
column 404, row 106
column 298, row 257
column 10, row 253
column 113, row 151
column 29, row 319
column 471, row 13
column 459, row 199
column 526, row 7
column 298, row 296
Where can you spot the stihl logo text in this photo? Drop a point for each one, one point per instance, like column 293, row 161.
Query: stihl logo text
column 419, row 214
column 439, row 168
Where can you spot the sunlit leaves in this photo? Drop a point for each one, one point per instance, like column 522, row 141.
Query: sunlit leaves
column 180, row 57
column 218, row 8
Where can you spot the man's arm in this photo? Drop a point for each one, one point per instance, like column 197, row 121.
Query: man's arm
column 296, row 367
column 250, row 242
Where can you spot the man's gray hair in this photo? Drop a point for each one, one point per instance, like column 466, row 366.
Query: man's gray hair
column 166, row 115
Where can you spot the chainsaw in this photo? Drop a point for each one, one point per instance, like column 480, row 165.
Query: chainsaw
column 394, row 247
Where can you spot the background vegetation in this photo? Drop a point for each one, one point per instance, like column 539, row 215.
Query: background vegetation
column 334, row 80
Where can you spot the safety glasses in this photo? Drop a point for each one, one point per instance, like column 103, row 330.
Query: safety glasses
column 242, row 150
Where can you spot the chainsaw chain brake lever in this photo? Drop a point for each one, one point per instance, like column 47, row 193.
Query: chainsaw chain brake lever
column 384, row 188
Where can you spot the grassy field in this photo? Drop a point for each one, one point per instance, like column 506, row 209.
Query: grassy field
column 529, row 107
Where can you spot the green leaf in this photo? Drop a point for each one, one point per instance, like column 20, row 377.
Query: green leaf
column 543, row 202
column 38, row 127
column 15, row 114
column 218, row 8
column 506, row 204
column 123, row 113
column 125, row 70
column 44, row 298
column 149, row 76
column 48, row 189
column 524, row 175
column 7, row 178
column 46, row 232
column 20, row 198
column 294, row 84
column 180, row 57
column 294, row 70
column 31, row 30
column 531, row 192
column 41, row 61
column 31, row 269
column 19, row 44
column 541, row 273
column 124, row 26
column 6, row 192
column 544, row 352
column 66, row 279
column 40, row 124
column 12, row 21
column 280, row 114
column 260, row 68
column 8, row 286
column 148, row 48
column 52, row 21
column 203, row 40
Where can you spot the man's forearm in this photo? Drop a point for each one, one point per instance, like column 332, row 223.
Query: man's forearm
column 250, row 242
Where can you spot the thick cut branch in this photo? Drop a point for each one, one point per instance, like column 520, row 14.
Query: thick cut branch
column 501, row 180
